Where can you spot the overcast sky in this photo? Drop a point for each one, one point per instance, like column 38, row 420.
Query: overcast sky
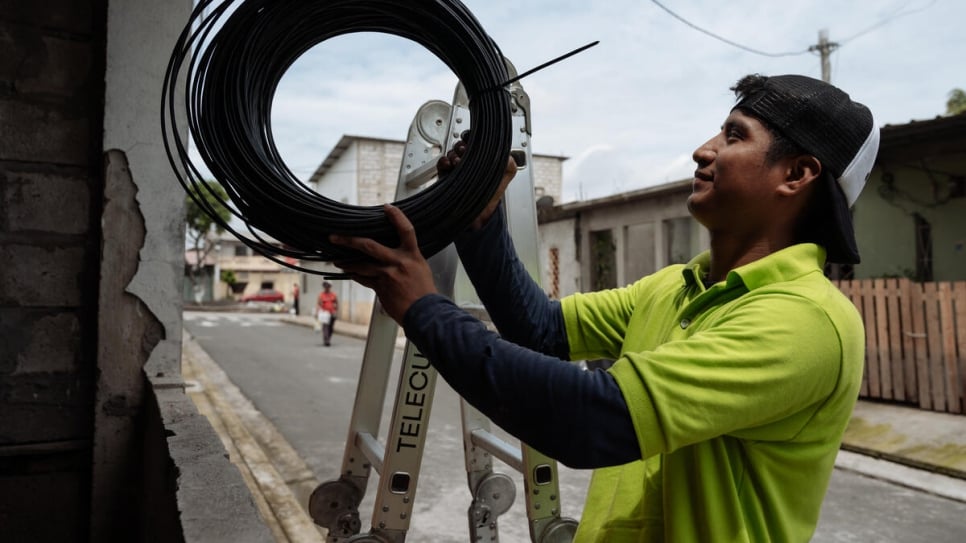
column 629, row 112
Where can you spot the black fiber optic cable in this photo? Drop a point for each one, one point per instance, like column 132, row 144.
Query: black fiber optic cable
column 231, row 57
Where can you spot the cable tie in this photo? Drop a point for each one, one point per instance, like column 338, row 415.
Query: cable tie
column 547, row 64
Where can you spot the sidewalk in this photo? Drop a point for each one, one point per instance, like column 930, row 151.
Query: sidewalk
column 920, row 449
column 916, row 448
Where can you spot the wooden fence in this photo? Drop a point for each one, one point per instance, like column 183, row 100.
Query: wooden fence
column 915, row 341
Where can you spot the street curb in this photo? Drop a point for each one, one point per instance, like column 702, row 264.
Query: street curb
column 903, row 475
column 944, row 471
column 231, row 415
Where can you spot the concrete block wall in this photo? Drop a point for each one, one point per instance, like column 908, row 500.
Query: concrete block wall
column 548, row 177
column 378, row 166
column 98, row 441
column 51, row 89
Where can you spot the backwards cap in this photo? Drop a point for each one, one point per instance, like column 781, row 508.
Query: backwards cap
column 840, row 133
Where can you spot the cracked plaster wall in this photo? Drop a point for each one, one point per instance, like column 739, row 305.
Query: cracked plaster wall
column 141, row 36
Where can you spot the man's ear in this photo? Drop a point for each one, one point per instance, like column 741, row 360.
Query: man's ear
column 803, row 170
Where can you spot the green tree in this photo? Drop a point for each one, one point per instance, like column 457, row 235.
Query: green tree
column 201, row 224
column 956, row 103
column 228, row 277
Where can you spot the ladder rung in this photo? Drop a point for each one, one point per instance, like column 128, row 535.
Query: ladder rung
column 497, row 447
column 372, row 449
column 421, row 175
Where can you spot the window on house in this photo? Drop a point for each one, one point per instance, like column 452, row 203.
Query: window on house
column 241, row 250
column 603, row 260
column 639, row 251
column 680, row 240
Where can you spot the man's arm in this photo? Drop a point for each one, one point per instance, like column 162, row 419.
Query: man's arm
column 576, row 416
column 518, row 307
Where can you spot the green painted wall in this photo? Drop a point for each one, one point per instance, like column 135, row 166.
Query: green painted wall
column 885, row 224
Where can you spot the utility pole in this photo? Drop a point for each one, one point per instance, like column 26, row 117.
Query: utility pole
column 825, row 48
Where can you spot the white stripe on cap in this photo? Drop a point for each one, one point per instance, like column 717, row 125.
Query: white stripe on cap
column 857, row 172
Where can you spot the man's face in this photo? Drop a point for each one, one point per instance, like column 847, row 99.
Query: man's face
column 733, row 185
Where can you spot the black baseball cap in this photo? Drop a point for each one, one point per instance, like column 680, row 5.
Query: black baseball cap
column 841, row 133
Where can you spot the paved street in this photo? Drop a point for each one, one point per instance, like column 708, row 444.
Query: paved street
column 306, row 390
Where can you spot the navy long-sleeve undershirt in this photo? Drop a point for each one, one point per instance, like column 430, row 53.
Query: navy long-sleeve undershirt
column 520, row 379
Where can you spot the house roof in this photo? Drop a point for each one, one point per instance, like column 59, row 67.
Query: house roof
column 570, row 209
column 918, row 139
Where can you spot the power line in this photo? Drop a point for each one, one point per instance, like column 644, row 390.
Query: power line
column 725, row 40
column 895, row 15
column 899, row 12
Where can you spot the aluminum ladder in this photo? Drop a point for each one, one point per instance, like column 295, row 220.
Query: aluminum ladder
column 397, row 460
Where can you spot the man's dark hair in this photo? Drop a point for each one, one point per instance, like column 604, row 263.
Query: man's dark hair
column 781, row 146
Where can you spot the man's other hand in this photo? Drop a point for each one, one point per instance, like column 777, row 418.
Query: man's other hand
column 450, row 160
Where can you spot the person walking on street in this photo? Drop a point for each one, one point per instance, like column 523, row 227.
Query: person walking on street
column 735, row 374
column 325, row 309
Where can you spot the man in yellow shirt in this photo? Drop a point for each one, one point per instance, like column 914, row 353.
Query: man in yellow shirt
column 735, row 374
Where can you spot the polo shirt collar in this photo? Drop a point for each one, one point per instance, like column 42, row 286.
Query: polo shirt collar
column 784, row 265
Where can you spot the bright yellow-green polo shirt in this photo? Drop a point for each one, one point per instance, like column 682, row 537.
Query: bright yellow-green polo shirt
column 739, row 395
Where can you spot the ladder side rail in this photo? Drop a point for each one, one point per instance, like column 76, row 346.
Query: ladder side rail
column 396, row 493
column 541, row 484
column 540, row 475
column 492, row 493
column 370, row 396
column 335, row 504
column 405, row 441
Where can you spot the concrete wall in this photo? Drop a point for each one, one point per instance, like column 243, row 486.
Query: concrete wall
column 548, row 177
column 339, row 183
column 98, row 441
column 559, row 236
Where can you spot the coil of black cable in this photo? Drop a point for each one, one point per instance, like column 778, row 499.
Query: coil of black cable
column 228, row 63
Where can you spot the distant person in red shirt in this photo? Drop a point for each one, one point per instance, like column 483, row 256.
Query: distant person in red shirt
column 325, row 311
column 295, row 298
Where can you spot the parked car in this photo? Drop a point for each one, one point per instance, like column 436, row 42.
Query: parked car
column 265, row 295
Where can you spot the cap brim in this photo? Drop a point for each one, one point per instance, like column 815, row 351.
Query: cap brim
column 840, row 243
